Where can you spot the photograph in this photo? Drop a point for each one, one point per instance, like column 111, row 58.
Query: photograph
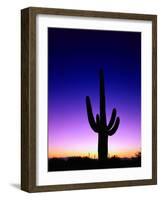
column 94, row 99
column 89, row 99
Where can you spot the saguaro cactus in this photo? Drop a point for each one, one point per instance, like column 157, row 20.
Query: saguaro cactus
column 99, row 124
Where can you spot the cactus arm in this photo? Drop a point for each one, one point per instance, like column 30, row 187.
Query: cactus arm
column 112, row 120
column 97, row 119
column 114, row 128
column 90, row 115
column 102, row 100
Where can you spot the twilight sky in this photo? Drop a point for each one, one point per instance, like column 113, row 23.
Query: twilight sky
column 74, row 59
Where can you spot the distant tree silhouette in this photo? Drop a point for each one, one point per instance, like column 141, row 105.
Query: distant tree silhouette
column 100, row 125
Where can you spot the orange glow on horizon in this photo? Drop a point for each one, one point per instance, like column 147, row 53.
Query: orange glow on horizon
column 121, row 154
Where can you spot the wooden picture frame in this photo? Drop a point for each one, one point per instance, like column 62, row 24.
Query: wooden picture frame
column 29, row 91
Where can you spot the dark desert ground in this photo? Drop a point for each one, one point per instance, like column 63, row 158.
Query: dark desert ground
column 84, row 163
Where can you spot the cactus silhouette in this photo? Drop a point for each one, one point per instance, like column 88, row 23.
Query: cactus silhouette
column 99, row 124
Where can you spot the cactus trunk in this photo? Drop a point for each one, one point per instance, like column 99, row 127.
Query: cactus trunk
column 102, row 100
column 102, row 146
column 102, row 138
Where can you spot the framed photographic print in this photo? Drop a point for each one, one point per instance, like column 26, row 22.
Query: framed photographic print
column 89, row 99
